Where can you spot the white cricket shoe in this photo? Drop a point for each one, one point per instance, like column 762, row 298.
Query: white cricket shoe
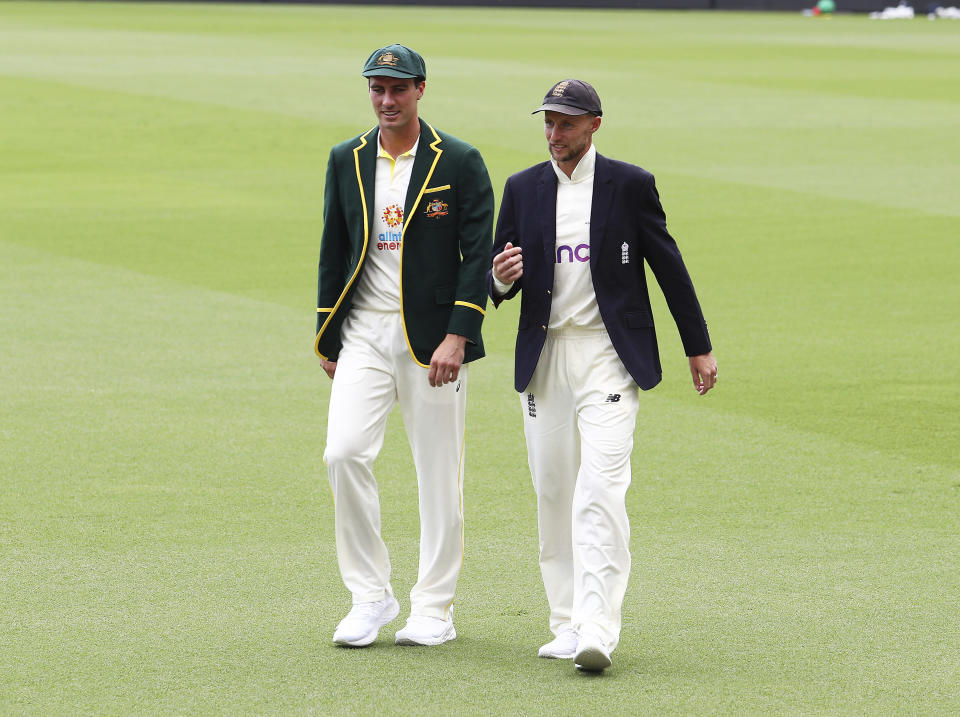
column 562, row 647
column 361, row 625
column 421, row 630
column 592, row 654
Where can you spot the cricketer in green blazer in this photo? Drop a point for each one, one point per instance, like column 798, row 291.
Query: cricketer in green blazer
column 445, row 245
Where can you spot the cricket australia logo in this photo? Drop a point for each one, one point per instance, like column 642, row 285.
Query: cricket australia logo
column 393, row 215
column 624, row 253
column 388, row 58
column 436, row 208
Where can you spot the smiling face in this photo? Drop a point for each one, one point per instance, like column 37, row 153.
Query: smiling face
column 569, row 137
column 395, row 101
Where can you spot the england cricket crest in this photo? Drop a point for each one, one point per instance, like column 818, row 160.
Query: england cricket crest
column 624, row 253
column 436, row 208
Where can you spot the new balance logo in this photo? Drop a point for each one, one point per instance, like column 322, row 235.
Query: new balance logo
column 613, row 398
column 531, row 406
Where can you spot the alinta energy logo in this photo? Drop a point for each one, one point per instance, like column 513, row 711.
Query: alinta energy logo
column 393, row 215
column 393, row 218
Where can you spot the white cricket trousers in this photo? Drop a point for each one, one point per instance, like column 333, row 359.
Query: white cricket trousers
column 374, row 372
column 579, row 414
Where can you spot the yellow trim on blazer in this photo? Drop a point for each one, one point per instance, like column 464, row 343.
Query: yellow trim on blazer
column 471, row 306
column 363, row 252
column 406, row 224
column 436, row 189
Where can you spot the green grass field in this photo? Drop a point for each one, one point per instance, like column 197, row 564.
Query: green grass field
column 166, row 541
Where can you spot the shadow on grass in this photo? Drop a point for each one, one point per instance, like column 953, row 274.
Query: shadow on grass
column 476, row 656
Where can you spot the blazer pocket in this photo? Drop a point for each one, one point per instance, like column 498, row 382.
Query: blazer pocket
column 445, row 294
column 436, row 189
column 638, row 319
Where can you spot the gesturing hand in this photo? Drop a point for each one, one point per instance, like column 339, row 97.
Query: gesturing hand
column 508, row 264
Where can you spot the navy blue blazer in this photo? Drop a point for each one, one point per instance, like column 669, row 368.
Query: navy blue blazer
column 627, row 227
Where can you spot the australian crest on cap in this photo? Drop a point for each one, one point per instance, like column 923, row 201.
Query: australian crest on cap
column 388, row 58
column 559, row 88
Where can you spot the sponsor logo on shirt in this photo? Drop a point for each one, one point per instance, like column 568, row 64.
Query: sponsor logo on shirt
column 570, row 254
column 389, row 241
column 393, row 215
column 393, row 218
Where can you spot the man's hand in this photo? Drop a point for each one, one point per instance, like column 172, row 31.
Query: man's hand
column 447, row 360
column 329, row 366
column 508, row 264
column 703, row 368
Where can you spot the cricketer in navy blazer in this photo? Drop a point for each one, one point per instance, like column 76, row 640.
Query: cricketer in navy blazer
column 627, row 227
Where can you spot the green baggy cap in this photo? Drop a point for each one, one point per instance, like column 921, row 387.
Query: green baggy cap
column 395, row 61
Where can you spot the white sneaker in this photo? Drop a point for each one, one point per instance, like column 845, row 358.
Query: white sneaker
column 592, row 654
column 421, row 630
column 562, row 647
column 361, row 625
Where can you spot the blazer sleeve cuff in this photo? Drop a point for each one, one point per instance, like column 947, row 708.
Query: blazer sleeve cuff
column 466, row 320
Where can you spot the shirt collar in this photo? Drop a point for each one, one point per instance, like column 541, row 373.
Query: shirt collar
column 381, row 152
column 583, row 171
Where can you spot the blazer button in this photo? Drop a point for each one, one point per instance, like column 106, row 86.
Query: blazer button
column 548, row 291
column 543, row 327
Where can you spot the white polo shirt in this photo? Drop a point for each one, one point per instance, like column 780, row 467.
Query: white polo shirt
column 574, row 301
column 379, row 286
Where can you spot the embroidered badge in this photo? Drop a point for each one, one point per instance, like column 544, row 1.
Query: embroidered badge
column 388, row 58
column 559, row 89
column 624, row 253
column 393, row 215
column 436, row 208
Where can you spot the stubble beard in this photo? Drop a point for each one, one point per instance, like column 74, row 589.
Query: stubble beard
column 567, row 154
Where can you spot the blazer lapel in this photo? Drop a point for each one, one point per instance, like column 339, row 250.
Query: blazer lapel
column 547, row 211
column 600, row 208
column 425, row 161
column 365, row 161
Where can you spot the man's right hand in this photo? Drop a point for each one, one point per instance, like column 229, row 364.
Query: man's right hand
column 329, row 366
column 508, row 264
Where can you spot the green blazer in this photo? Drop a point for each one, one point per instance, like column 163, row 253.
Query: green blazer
column 445, row 245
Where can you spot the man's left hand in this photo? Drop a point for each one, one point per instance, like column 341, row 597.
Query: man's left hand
column 447, row 360
column 703, row 368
